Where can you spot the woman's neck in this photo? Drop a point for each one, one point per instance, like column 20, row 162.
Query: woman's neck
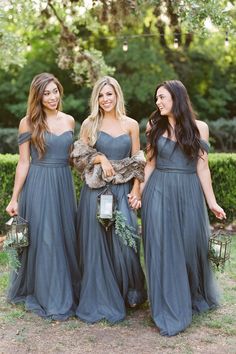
column 172, row 122
column 110, row 116
column 51, row 114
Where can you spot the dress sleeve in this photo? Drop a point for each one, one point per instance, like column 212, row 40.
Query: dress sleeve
column 22, row 138
column 205, row 145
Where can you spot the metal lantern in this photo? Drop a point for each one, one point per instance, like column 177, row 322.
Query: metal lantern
column 219, row 247
column 106, row 207
column 17, row 234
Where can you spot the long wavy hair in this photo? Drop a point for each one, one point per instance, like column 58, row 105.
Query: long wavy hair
column 36, row 115
column 186, row 130
column 96, row 113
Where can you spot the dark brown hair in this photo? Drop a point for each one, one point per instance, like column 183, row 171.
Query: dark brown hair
column 186, row 130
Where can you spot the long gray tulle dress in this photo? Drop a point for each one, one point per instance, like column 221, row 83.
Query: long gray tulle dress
column 112, row 276
column 48, row 279
column 176, row 231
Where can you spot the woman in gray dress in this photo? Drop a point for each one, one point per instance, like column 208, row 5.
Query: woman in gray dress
column 112, row 276
column 174, row 215
column 47, row 280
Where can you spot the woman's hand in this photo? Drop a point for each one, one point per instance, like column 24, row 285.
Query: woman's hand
column 12, row 208
column 134, row 200
column 218, row 211
column 106, row 167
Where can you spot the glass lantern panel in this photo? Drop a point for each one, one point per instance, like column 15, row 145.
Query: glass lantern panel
column 106, row 206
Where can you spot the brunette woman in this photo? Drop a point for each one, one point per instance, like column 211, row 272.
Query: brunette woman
column 47, row 281
column 174, row 215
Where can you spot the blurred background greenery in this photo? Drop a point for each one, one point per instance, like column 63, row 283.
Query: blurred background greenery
column 78, row 41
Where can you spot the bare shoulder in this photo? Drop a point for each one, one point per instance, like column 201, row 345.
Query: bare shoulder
column 201, row 124
column 131, row 124
column 86, row 124
column 69, row 119
column 203, row 129
column 24, row 126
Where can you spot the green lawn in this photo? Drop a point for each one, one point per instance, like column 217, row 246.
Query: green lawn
column 211, row 332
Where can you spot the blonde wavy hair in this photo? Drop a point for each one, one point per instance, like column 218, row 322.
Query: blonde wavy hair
column 96, row 113
column 36, row 116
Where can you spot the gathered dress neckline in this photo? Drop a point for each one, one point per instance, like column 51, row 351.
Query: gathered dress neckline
column 66, row 131
column 175, row 141
column 114, row 137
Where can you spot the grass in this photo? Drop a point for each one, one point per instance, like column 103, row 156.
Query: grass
column 4, row 277
column 72, row 325
column 15, row 314
column 3, row 260
column 211, row 326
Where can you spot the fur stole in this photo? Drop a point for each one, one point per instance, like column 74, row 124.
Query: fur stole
column 126, row 169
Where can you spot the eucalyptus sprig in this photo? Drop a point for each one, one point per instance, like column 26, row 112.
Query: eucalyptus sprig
column 12, row 255
column 126, row 232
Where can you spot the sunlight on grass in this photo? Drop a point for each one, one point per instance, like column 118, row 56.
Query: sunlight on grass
column 222, row 319
column 4, row 278
column 230, row 268
column 3, row 259
column 228, row 293
column 72, row 325
column 14, row 314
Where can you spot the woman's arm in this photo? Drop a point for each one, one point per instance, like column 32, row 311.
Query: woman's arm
column 149, row 168
column 101, row 158
column 21, row 171
column 204, row 175
column 71, row 122
column 150, row 165
column 134, row 195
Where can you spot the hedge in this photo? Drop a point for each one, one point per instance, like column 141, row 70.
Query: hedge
column 8, row 140
column 223, row 171
column 7, row 172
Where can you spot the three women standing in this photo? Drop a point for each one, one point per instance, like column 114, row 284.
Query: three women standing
column 112, row 276
column 174, row 215
column 48, row 279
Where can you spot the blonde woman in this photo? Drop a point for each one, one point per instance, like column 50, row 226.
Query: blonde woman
column 48, row 275
column 112, row 276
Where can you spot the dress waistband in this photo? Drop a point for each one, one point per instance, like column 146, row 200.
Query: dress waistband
column 175, row 170
column 51, row 163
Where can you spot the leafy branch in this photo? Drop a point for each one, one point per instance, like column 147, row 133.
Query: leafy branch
column 12, row 254
column 126, row 232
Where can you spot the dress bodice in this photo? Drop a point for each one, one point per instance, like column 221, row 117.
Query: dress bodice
column 115, row 148
column 170, row 157
column 57, row 148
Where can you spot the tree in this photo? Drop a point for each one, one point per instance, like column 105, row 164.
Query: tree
column 69, row 24
column 78, row 42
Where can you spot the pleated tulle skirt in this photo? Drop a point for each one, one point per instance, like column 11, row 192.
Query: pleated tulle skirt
column 112, row 276
column 175, row 231
column 48, row 279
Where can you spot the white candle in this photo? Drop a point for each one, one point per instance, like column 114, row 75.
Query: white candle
column 217, row 250
column 20, row 236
